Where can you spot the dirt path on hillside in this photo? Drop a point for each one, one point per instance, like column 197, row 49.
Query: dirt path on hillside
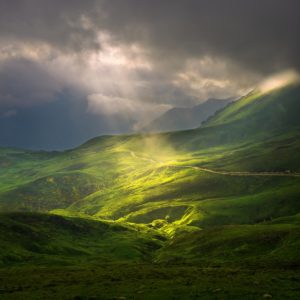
column 227, row 173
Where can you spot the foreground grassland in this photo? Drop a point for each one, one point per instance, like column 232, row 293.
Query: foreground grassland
column 144, row 281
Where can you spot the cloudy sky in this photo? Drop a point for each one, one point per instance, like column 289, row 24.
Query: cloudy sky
column 73, row 69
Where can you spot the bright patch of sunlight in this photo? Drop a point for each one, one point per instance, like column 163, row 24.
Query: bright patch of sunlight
column 279, row 80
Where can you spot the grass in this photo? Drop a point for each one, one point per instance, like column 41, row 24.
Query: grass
column 50, row 239
column 265, row 245
column 127, row 281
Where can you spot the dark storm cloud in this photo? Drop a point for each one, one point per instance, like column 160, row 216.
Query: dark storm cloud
column 24, row 82
column 259, row 34
column 60, row 23
column 57, row 125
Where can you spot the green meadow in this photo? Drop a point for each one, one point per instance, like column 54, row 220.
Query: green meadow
column 209, row 213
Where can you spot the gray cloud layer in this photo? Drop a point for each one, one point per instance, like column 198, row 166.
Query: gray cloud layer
column 24, row 83
column 59, row 23
column 260, row 34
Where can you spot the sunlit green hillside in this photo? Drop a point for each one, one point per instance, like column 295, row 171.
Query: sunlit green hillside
column 225, row 194
column 171, row 181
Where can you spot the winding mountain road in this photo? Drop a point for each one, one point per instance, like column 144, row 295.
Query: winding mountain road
column 227, row 173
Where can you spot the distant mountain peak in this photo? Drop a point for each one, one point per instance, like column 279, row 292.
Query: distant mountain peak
column 181, row 118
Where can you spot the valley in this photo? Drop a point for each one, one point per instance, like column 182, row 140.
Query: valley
column 207, row 210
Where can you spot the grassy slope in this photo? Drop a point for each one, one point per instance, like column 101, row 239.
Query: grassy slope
column 264, row 111
column 49, row 239
column 265, row 245
column 143, row 179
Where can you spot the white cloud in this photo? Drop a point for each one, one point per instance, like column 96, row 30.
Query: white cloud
column 211, row 77
column 110, row 105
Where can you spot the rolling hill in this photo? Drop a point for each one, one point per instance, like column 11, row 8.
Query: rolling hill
column 51, row 239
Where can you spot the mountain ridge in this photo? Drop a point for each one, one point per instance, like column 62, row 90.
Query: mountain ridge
column 181, row 118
